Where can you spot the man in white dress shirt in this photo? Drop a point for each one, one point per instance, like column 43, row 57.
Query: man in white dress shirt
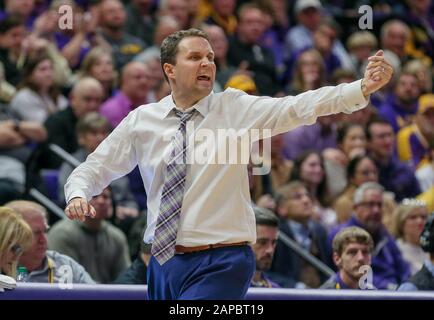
column 200, row 245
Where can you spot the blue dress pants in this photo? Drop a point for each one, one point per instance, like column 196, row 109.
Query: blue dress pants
column 214, row 274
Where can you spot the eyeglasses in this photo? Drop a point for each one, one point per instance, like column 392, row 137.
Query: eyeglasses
column 17, row 249
column 371, row 204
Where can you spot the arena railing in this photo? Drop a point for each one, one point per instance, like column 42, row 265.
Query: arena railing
column 40, row 291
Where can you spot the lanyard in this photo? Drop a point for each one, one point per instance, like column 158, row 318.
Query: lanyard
column 50, row 270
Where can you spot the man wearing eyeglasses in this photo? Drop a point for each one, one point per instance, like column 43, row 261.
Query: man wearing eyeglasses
column 45, row 266
column 389, row 268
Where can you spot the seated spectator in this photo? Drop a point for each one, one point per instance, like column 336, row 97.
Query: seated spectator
column 360, row 46
column 16, row 140
column 267, row 229
column 309, row 169
column 74, row 43
column 44, row 265
column 22, row 9
column 177, row 9
column 309, row 15
column 323, row 42
column 277, row 26
column 96, row 244
column 140, row 20
column 423, row 74
column 136, row 273
column 361, row 169
column 15, row 237
column 423, row 280
column 410, row 218
column 134, row 88
column 98, row 64
column 394, row 36
column 12, row 34
column 401, row 104
column 92, row 129
column 414, row 141
column 389, row 268
column 394, row 175
column 308, row 72
column 352, row 251
column 296, row 211
column 245, row 48
column 112, row 20
column 38, row 97
column 351, row 139
column 223, row 15
column 86, row 96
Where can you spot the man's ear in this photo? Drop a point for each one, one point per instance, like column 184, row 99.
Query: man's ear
column 169, row 70
column 337, row 260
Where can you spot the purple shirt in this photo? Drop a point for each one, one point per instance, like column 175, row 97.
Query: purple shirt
column 389, row 268
column 306, row 138
column 395, row 114
column 116, row 108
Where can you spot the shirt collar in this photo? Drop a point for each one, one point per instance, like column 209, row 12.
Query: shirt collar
column 202, row 105
column 430, row 266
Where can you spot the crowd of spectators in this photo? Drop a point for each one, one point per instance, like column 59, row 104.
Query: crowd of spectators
column 373, row 169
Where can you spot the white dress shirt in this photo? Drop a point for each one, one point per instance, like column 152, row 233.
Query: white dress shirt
column 216, row 206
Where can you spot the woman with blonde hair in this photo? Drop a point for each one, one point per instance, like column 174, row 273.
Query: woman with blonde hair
column 15, row 237
column 410, row 218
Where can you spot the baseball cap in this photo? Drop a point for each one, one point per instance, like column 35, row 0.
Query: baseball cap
column 426, row 101
column 300, row 5
column 241, row 82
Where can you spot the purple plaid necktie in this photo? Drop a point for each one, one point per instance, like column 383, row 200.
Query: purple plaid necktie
column 166, row 230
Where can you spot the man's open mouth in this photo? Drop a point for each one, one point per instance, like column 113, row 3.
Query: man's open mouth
column 204, row 77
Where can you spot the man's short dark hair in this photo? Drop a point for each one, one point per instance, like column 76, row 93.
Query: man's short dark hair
column 169, row 47
column 265, row 217
column 9, row 23
column 375, row 120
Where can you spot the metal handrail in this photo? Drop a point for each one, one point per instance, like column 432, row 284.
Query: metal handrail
column 46, row 202
column 318, row 264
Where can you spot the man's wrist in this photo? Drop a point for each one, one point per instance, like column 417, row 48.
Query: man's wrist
column 364, row 88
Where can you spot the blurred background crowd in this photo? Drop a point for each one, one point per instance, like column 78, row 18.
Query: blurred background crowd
column 71, row 87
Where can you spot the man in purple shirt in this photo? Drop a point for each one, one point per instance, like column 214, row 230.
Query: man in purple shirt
column 389, row 268
column 394, row 175
column 133, row 92
column 401, row 105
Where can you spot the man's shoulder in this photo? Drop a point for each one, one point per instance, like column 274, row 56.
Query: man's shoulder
column 61, row 259
column 63, row 227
